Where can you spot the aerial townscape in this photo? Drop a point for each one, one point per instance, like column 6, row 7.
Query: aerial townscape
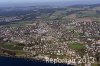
column 68, row 35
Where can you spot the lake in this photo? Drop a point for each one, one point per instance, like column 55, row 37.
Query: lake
column 8, row 61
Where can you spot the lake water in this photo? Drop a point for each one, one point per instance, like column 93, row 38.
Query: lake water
column 7, row 61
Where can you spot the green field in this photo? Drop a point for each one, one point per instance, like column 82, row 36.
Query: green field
column 12, row 46
column 78, row 47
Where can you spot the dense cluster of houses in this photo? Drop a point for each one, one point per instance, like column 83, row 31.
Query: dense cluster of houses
column 52, row 37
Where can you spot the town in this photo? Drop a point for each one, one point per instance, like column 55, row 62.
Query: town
column 66, row 38
column 55, row 39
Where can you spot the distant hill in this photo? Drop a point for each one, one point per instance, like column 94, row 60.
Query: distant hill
column 53, row 4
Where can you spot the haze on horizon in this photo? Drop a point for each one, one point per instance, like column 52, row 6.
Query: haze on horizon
column 22, row 1
column 47, row 2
